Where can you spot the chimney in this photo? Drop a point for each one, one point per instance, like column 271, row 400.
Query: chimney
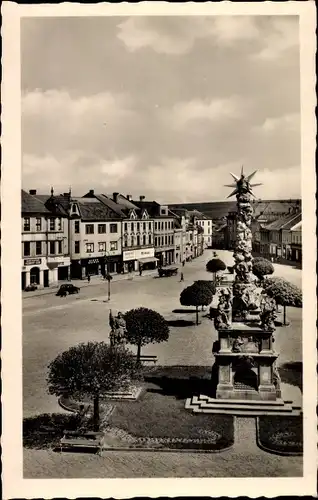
column 141, row 198
column 32, row 191
column 115, row 197
column 129, row 197
column 91, row 192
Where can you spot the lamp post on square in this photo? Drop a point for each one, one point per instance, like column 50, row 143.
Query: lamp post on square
column 107, row 276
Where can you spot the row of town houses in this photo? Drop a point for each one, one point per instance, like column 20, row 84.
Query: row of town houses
column 274, row 236
column 66, row 237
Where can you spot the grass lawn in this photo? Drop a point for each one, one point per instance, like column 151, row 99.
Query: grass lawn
column 281, row 434
column 159, row 414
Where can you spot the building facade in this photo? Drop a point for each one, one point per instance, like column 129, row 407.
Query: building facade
column 45, row 241
column 163, row 230
column 96, row 238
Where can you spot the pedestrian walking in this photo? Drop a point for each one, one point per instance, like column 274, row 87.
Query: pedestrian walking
column 88, row 278
column 183, row 263
column 140, row 270
column 181, row 277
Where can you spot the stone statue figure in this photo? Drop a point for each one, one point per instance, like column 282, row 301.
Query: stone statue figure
column 268, row 312
column 238, row 344
column 118, row 330
column 223, row 316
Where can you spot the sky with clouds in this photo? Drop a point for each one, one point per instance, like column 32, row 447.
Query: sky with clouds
column 165, row 107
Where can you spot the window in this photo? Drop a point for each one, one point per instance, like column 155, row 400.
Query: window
column 102, row 246
column 162, row 225
column 101, row 228
column 113, row 228
column 138, row 240
column 89, row 228
column 138, row 226
column 52, row 224
column 52, row 247
column 150, row 239
column 156, row 241
column 77, row 247
column 60, row 246
column 113, row 245
column 166, row 225
column 89, row 247
column 132, row 241
column 144, row 239
column 144, row 226
column 166, row 240
column 26, row 248
column 76, row 226
column 172, row 240
column 126, row 227
column 209, row 222
column 162, row 241
column 59, row 223
column 156, row 226
column 38, row 247
column 149, row 226
column 132, row 227
column 26, row 224
column 38, row 224
column 126, row 242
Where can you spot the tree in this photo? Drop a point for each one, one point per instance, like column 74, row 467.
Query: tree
column 214, row 266
column 196, row 295
column 209, row 284
column 145, row 326
column 262, row 267
column 284, row 293
column 90, row 370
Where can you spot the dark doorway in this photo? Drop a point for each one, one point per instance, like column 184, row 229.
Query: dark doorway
column 35, row 276
column 46, row 278
column 23, row 280
column 62, row 273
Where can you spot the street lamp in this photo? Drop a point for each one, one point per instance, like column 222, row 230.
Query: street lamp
column 108, row 277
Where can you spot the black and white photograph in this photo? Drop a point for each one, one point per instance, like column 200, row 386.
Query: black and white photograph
column 164, row 193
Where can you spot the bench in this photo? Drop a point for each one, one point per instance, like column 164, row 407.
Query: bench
column 78, row 439
column 148, row 359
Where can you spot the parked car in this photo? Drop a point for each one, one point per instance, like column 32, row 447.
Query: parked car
column 30, row 288
column 170, row 271
column 67, row 289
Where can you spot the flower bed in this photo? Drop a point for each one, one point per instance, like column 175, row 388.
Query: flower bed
column 161, row 421
column 281, row 434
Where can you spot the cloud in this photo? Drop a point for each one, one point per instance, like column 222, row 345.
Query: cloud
column 74, row 169
column 213, row 110
column 280, row 40
column 273, row 180
column 177, row 36
column 286, row 123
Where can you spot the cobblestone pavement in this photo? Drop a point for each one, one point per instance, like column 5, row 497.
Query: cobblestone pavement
column 51, row 324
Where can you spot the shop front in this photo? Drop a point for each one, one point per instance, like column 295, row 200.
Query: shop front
column 36, row 272
column 133, row 259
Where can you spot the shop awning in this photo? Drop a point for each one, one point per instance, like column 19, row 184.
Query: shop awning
column 145, row 260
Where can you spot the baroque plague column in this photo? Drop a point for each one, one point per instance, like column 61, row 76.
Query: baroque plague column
column 244, row 376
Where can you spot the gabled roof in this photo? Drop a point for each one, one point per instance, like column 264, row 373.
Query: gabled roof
column 285, row 223
column 118, row 209
column 32, row 205
column 123, row 202
column 93, row 209
column 153, row 208
column 58, row 205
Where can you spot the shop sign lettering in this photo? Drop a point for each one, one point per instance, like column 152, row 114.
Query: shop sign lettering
column 32, row 262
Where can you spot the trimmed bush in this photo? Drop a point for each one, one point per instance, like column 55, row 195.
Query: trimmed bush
column 285, row 293
column 145, row 326
column 214, row 266
column 262, row 267
column 198, row 294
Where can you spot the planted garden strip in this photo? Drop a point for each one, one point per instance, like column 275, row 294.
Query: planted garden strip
column 276, row 434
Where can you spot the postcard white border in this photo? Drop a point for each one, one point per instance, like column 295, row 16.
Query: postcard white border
column 13, row 483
